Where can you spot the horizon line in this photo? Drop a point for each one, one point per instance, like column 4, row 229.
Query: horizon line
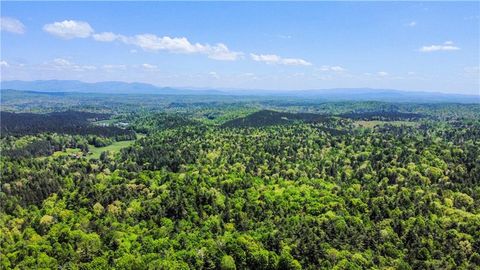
column 226, row 89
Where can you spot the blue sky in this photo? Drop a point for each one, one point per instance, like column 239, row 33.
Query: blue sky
column 284, row 46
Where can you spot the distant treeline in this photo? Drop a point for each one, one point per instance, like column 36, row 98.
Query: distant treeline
column 270, row 118
column 68, row 122
column 382, row 115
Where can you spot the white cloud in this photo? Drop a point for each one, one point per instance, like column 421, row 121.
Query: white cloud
column 446, row 46
column 61, row 62
column 412, row 24
column 151, row 42
column 332, row 68
column 382, row 73
column 4, row 64
column 221, row 52
column 64, row 64
column 275, row 59
column 69, row 29
column 295, row 62
column 149, row 66
column 268, row 58
column 110, row 67
column 106, row 37
column 12, row 25
column 337, row 68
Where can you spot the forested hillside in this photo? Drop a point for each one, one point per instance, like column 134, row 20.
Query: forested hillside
column 69, row 122
column 229, row 186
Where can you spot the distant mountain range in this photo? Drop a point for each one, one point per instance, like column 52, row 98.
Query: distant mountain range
column 110, row 87
column 338, row 94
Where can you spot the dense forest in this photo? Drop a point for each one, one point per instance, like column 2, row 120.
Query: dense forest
column 68, row 122
column 239, row 184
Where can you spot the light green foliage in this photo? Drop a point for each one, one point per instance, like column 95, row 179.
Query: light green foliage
column 194, row 194
column 227, row 263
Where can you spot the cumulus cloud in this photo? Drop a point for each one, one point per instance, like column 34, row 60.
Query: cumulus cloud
column 268, row 58
column 69, row 29
column 151, row 42
column 106, row 37
column 221, row 52
column 4, row 64
column 446, row 46
column 332, row 68
column 154, row 43
column 12, row 25
column 64, row 64
column 277, row 60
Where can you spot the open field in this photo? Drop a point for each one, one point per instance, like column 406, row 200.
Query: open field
column 115, row 147
column 95, row 152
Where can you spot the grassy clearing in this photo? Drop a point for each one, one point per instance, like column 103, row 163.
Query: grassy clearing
column 115, row 147
column 95, row 152
column 372, row 124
